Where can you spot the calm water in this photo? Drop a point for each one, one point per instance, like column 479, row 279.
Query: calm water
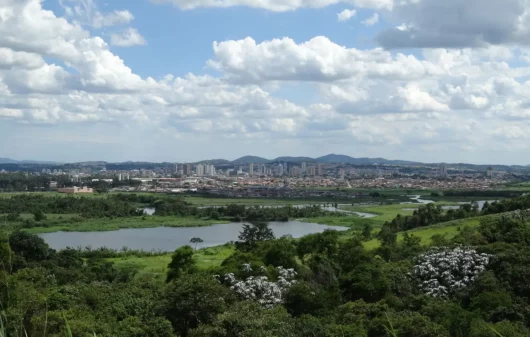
column 169, row 239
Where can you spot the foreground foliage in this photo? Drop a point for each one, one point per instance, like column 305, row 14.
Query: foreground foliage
column 474, row 285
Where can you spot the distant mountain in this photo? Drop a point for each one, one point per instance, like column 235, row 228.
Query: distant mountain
column 7, row 161
column 214, row 161
column 12, row 161
column 294, row 159
column 250, row 160
column 343, row 159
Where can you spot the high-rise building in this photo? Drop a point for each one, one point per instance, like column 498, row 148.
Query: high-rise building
column 443, row 170
column 280, row 170
column 294, row 171
column 319, row 169
column 186, row 170
column 311, row 170
column 199, row 170
column 176, row 168
column 251, row 169
column 263, row 169
column 304, row 167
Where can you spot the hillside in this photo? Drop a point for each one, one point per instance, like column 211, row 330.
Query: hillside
column 250, row 160
column 294, row 159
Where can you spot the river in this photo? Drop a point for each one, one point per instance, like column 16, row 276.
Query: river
column 170, row 238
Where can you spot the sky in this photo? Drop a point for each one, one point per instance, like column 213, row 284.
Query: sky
column 187, row 80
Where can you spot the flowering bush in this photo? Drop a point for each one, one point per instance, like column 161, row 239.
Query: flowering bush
column 441, row 271
column 259, row 288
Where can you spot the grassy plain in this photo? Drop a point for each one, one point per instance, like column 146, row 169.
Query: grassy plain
column 157, row 265
column 447, row 229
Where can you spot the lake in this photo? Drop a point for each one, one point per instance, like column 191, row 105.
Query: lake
column 170, row 238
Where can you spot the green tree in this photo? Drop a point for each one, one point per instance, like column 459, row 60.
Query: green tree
column 39, row 216
column 279, row 252
column 181, row 262
column 196, row 241
column 252, row 234
column 325, row 243
column 367, row 231
column 29, row 246
column 249, row 319
column 193, row 299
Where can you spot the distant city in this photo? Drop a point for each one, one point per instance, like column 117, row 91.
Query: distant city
column 286, row 176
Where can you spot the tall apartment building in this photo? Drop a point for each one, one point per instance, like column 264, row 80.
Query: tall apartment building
column 304, row 167
column 319, row 169
column 311, row 170
column 199, row 170
column 251, row 169
column 186, row 170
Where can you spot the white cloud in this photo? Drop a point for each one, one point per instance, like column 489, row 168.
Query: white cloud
column 112, row 19
column 318, row 59
column 433, row 103
column 346, row 15
column 127, row 38
column 86, row 12
column 277, row 5
column 372, row 20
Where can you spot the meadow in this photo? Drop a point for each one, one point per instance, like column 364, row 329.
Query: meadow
column 157, row 265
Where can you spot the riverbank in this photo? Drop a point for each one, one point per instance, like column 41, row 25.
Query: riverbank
column 106, row 224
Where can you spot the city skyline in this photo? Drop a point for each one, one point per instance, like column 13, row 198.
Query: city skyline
column 153, row 80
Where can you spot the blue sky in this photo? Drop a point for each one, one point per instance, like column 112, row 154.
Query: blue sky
column 142, row 80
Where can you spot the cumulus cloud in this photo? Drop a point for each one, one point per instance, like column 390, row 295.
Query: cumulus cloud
column 276, row 5
column 127, row 38
column 54, row 71
column 318, row 59
column 372, row 20
column 346, row 15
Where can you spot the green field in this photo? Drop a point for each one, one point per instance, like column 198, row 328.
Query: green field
column 106, row 224
column 157, row 265
column 448, row 229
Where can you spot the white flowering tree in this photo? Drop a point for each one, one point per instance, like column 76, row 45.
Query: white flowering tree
column 442, row 271
column 260, row 289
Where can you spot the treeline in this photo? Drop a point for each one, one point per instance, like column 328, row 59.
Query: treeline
column 487, row 194
column 86, row 207
column 238, row 212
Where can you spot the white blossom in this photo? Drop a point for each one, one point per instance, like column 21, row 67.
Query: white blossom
column 441, row 272
column 260, row 289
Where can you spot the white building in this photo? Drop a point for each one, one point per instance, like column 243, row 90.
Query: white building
column 251, row 170
column 280, row 169
column 199, row 170
column 304, row 167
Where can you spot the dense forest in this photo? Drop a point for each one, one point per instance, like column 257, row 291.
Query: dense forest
column 475, row 285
